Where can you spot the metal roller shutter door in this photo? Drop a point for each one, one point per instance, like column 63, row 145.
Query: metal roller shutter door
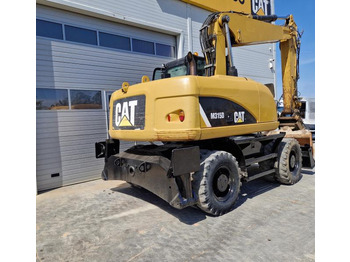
column 65, row 138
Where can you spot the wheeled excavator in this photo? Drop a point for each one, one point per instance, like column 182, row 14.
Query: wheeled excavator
column 211, row 126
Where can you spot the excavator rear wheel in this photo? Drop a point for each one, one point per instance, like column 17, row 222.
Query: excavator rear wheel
column 218, row 182
column 289, row 166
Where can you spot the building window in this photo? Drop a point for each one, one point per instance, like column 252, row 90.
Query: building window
column 80, row 35
column 114, row 41
column 88, row 36
column 51, row 99
column 165, row 50
column 85, row 99
column 49, row 29
column 143, row 46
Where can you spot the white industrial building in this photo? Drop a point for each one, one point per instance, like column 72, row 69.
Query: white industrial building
column 85, row 50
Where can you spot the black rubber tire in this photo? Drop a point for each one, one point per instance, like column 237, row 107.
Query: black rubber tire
column 268, row 164
column 217, row 183
column 289, row 163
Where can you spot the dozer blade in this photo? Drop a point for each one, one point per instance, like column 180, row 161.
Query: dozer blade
column 294, row 122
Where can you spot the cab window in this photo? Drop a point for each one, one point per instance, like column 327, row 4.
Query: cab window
column 200, row 67
column 180, row 70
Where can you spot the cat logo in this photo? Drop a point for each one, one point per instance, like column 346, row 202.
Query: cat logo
column 238, row 117
column 125, row 113
column 255, row 7
column 261, row 7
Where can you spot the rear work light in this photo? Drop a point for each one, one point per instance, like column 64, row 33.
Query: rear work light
column 176, row 116
column 182, row 116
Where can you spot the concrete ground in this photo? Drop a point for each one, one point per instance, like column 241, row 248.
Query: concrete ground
column 111, row 221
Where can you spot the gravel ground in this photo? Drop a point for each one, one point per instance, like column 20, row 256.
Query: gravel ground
column 112, row 221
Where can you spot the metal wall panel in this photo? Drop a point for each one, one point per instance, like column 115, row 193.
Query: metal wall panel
column 253, row 62
column 177, row 15
column 65, row 144
column 158, row 14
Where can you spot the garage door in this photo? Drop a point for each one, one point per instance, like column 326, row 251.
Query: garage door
column 80, row 61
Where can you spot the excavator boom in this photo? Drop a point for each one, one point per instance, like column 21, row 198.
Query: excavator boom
column 223, row 29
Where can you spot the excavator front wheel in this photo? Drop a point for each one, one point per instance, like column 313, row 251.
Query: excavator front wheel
column 289, row 162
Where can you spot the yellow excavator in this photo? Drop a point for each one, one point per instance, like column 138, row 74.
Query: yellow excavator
column 212, row 124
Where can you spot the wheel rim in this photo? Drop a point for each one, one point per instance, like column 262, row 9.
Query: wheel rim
column 223, row 184
column 293, row 162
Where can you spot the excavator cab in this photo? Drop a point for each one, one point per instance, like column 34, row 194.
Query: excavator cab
column 191, row 64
